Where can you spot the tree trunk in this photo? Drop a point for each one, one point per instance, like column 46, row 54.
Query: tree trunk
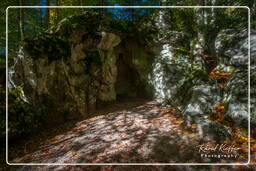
column 47, row 17
column 57, row 12
column 208, row 36
column 21, row 20
column 102, row 9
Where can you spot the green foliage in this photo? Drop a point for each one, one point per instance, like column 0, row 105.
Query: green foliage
column 253, row 115
column 66, row 26
column 183, row 20
column 226, row 105
column 232, row 18
column 253, row 24
column 88, row 21
column 21, row 119
column 200, row 73
column 48, row 45
column 181, row 51
column 121, row 24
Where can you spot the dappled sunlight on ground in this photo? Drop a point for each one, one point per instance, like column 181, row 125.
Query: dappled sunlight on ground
column 149, row 133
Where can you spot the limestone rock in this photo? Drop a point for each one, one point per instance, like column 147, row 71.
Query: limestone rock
column 109, row 74
column 70, row 84
column 108, row 41
column 203, row 99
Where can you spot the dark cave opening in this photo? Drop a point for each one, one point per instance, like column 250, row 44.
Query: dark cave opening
column 127, row 81
column 129, row 88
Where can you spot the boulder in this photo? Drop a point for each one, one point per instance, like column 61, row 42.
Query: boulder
column 202, row 101
column 232, row 46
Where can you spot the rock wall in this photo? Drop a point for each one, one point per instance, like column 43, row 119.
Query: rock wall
column 74, row 68
column 65, row 77
column 183, row 82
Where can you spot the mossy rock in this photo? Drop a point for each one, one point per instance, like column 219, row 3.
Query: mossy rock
column 50, row 46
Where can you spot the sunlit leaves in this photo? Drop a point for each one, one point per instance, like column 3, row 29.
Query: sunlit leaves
column 168, row 111
column 222, row 85
column 217, row 74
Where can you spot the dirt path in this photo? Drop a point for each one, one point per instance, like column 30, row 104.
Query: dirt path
column 148, row 133
column 30, row 143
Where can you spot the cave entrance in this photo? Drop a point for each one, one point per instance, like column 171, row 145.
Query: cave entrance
column 130, row 90
column 127, row 80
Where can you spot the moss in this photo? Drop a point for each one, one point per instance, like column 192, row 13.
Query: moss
column 54, row 43
column 66, row 26
column 49, row 46
column 253, row 115
column 92, row 22
column 89, row 21
column 23, row 120
column 201, row 74
column 122, row 25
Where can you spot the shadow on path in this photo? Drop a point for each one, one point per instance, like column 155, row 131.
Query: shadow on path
column 148, row 133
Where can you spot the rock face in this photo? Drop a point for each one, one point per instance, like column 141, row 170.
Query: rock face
column 232, row 46
column 202, row 99
column 232, row 50
column 182, row 81
column 70, row 76
column 109, row 68
column 75, row 68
